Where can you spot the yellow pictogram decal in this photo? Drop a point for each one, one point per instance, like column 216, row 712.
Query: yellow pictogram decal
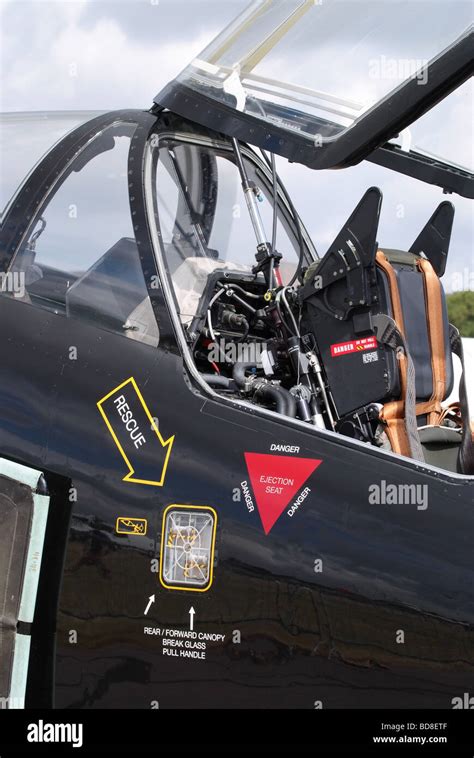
column 125, row 525
column 133, row 430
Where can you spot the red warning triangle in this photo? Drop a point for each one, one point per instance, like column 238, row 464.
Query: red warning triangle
column 275, row 480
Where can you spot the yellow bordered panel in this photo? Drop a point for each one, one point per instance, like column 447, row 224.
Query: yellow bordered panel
column 188, row 540
column 129, row 525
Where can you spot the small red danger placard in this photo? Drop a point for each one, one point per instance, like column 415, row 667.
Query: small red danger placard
column 354, row 346
column 276, row 479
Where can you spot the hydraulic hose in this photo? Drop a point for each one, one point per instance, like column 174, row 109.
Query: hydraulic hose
column 284, row 400
column 215, row 380
column 238, row 373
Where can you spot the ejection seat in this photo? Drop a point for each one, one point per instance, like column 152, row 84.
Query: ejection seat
column 418, row 304
column 380, row 322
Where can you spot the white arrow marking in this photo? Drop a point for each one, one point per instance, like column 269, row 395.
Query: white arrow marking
column 191, row 618
column 151, row 600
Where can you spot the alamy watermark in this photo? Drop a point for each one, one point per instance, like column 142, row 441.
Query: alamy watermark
column 462, row 280
column 15, row 703
column 42, row 731
column 236, row 352
column 399, row 69
column 399, row 494
column 465, row 702
column 13, row 282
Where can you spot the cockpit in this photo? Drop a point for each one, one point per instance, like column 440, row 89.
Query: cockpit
column 203, row 221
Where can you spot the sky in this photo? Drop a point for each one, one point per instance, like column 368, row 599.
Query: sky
column 98, row 55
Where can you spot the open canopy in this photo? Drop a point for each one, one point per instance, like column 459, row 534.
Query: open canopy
column 328, row 83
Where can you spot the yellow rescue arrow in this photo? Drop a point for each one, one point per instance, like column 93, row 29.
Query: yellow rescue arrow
column 135, row 433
